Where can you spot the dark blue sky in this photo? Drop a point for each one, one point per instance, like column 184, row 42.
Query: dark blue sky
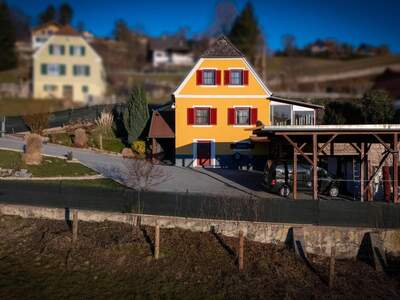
column 353, row 21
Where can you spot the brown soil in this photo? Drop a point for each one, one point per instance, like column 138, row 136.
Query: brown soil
column 114, row 261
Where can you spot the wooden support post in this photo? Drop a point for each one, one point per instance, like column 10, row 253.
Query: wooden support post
column 101, row 142
column 395, row 168
column 294, row 174
column 157, row 241
column 153, row 148
column 362, row 171
column 74, row 225
column 315, row 167
column 241, row 250
column 332, row 266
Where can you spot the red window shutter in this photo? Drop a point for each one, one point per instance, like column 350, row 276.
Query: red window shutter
column 199, row 77
column 231, row 116
column 213, row 116
column 218, row 77
column 253, row 116
column 190, row 116
column 226, row 77
column 245, row 77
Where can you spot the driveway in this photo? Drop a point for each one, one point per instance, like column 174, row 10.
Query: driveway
column 205, row 181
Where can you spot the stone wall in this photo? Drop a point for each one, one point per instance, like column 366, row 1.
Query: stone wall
column 318, row 239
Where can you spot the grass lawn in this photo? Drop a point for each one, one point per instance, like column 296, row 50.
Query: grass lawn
column 50, row 167
column 96, row 183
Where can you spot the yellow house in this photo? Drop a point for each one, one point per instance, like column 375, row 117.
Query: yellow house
column 218, row 103
column 67, row 67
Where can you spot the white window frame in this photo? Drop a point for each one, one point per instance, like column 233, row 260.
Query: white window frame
column 215, row 78
column 201, row 106
column 243, row 125
column 54, row 69
column 77, row 50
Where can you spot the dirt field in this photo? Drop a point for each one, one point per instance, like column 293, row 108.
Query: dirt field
column 114, row 261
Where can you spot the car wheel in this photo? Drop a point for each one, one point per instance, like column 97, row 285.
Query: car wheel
column 284, row 191
column 333, row 191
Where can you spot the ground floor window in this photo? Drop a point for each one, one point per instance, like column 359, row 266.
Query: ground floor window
column 49, row 87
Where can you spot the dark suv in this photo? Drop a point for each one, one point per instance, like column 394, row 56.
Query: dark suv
column 278, row 178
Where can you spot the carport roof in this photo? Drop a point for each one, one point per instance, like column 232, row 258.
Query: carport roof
column 368, row 128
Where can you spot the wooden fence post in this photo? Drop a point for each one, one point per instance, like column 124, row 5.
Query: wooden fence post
column 241, row 250
column 157, row 241
column 101, row 142
column 74, row 225
column 332, row 266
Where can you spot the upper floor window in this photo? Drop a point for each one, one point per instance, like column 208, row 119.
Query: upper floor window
column 75, row 50
column 208, row 77
column 55, row 49
column 242, row 116
column 52, row 69
column 202, row 116
column 81, row 70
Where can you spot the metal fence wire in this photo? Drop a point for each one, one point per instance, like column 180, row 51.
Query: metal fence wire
column 323, row 212
column 16, row 124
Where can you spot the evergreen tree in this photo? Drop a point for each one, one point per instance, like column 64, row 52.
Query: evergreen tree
column 338, row 112
column 136, row 114
column 48, row 15
column 8, row 55
column 245, row 33
column 377, row 107
column 65, row 14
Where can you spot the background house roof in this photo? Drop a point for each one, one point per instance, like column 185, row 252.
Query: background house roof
column 173, row 43
column 222, row 47
column 47, row 24
column 67, row 30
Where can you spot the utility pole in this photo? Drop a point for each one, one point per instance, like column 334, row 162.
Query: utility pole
column 3, row 126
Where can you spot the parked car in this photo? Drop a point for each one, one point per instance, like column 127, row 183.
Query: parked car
column 279, row 179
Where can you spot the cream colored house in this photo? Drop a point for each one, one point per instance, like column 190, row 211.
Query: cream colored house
column 67, row 67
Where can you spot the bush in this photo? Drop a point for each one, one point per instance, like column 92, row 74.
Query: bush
column 33, row 149
column 139, row 147
column 37, row 122
column 104, row 124
column 80, row 138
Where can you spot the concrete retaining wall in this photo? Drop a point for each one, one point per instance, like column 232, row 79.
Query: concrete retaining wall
column 318, row 239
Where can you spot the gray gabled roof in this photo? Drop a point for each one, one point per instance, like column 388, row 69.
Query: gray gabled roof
column 222, row 47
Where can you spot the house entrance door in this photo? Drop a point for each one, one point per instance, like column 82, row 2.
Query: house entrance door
column 68, row 92
column 204, row 153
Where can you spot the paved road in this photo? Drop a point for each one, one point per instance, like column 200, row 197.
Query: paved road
column 176, row 179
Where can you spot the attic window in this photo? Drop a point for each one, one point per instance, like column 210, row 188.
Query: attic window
column 209, row 77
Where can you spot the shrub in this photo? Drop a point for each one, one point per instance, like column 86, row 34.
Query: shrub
column 104, row 124
column 139, row 147
column 80, row 138
column 136, row 114
column 37, row 122
column 33, row 149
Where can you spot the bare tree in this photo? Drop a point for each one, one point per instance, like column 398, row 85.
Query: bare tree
column 289, row 44
column 224, row 16
column 143, row 174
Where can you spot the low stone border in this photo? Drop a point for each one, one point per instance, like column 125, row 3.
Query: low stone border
column 89, row 177
column 318, row 239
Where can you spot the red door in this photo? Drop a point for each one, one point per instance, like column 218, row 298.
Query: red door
column 203, row 153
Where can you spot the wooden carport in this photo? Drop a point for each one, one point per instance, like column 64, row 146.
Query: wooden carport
column 318, row 138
